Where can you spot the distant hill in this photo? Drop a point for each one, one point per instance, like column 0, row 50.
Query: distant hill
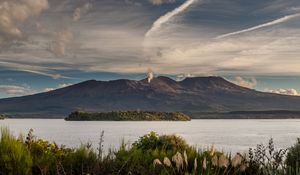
column 191, row 96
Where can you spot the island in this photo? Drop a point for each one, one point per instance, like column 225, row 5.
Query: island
column 2, row 117
column 127, row 116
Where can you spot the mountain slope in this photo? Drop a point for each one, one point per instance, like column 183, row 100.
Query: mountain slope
column 193, row 95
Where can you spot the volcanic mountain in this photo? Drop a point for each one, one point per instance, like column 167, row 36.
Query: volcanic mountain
column 192, row 95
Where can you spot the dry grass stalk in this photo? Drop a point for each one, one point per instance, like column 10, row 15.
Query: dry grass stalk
column 178, row 160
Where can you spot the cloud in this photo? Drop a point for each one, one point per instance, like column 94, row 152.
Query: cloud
column 165, row 18
column 290, row 91
column 58, row 87
column 79, row 11
column 111, row 39
column 16, row 90
column 181, row 77
column 245, row 82
column 159, row 2
column 61, row 42
column 277, row 21
column 15, row 12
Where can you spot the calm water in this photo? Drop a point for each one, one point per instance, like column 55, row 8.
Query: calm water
column 228, row 135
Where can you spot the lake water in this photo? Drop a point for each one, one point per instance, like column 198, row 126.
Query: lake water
column 227, row 135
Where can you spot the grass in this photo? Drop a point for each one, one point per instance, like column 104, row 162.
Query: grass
column 151, row 154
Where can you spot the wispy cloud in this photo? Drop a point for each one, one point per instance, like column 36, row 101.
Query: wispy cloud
column 167, row 17
column 110, row 37
column 275, row 22
column 16, row 90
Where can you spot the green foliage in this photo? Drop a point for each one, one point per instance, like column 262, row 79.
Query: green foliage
column 152, row 141
column 15, row 158
column 151, row 154
column 267, row 160
column 81, row 161
column 293, row 158
column 128, row 116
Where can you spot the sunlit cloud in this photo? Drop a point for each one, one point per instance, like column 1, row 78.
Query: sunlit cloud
column 290, row 91
column 58, row 87
column 245, row 82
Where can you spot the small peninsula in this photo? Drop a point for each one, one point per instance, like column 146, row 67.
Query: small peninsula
column 127, row 116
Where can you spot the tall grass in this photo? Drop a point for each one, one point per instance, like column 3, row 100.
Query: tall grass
column 151, row 154
column 15, row 158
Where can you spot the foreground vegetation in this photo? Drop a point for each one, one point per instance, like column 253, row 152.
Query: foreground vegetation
column 151, row 154
column 128, row 116
column 2, row 117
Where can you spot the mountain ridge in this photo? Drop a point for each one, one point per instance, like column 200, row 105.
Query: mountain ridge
column 191, row 95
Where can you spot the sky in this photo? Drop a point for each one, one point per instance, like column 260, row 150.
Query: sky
column 49, row 44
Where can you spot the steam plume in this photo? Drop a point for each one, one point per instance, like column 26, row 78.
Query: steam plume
column 150, row 75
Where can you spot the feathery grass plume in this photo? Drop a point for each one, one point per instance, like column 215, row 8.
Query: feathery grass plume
column 156, row 162
column 195, row 164
column 214, row 161
column 178, row 160
column 223, row 161
column 204, row 163
column 185, row 159
column 100, row 145
column 167, row 162
column 212, row 150
column 243, row 167
column 236, row 160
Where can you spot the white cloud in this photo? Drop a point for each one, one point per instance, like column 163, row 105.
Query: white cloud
column 245, row 82
column 181, row 77
column 58, row 87
column 290, row 91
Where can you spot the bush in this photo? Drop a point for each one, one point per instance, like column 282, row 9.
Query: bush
column 15, row 158
column 164, row 142
column 293, row 157
column 81, row 161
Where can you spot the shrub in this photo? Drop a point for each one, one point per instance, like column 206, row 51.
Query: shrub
column 164, row 142
column 266, row 160
column 82, row 160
